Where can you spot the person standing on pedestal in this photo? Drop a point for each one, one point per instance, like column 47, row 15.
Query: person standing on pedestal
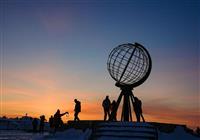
column 77, row 109
column 138, row 109
column 106, row 107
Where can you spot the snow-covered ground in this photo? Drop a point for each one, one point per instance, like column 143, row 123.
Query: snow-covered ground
column 12, row 124
column 178, row 134
column 15, row 130
column 70, row 134
column 73, row 134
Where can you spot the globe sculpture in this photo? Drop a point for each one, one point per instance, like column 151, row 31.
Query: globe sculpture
column 129, row 65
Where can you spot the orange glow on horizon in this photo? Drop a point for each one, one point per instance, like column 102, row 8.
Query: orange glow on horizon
column 93, row 111
column 43, row 91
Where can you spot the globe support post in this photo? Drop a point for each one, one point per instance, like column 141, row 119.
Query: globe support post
column 128, row 102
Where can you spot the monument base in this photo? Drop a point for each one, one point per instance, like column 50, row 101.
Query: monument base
column 116, row 130
column 92, row 124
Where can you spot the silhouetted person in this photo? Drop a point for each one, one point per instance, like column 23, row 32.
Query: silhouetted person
column 51, row 122
column 106, row 107
column 113, row 114
column 57, row 121
column 42, row 119
column 138, row 109
column 77, row 109
column 35, row 124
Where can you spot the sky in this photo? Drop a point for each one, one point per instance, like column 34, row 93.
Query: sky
column 55, row 51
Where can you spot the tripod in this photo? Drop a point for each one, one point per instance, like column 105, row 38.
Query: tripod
column 128, row 103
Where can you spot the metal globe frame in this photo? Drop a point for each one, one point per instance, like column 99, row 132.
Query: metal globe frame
column 121, row 75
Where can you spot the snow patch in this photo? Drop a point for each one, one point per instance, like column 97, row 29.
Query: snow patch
column 70, row 134
column 178, row 134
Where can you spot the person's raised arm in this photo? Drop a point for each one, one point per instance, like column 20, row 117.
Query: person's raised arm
column 64, row 113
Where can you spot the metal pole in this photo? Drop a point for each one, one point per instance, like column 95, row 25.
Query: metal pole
column 126, row 106
column 129, row 104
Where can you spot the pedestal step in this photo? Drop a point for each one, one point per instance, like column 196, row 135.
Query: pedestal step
column 124, row 131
